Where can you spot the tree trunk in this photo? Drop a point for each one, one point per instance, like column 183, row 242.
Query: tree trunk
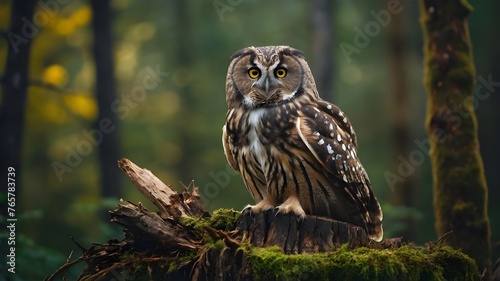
column 460, row 190
column 105, row 89
column 404, row 193
column 14, row 94
column 322, row 33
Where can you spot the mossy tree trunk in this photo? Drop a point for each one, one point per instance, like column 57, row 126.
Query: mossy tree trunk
column 460, row 190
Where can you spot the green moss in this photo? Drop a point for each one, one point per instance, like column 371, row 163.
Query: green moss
column 194, row 223
column 224, row 219
column 221, row 219
column 217, row 245
column 405, row 263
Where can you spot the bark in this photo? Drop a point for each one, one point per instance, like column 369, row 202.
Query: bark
column 15, row 91
column 105, row 90
column 295, row 236
column 460, row 190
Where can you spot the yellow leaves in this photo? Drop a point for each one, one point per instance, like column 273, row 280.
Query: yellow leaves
column 81, row 105
column 58, row 108
column 82, row 16
column 67, row 26
column 55, row 75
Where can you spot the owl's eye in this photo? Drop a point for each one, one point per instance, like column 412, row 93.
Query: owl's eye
column 280, row 72
column 254, row 73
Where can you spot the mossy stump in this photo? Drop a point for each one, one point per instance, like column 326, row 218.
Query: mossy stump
column 295, row 236
column 184, row 242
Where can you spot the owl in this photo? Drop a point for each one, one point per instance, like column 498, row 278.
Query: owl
column 295, row 151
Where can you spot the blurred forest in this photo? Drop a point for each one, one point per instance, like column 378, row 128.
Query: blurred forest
column 162, row 86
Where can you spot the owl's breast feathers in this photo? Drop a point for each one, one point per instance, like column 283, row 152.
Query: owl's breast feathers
column 307, row 150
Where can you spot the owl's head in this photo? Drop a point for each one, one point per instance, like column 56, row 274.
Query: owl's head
column 266, row 76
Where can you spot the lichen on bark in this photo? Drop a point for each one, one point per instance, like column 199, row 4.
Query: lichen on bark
column 460, row 189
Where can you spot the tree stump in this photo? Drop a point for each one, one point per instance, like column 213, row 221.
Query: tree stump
column 295, row 236
column 182, row 241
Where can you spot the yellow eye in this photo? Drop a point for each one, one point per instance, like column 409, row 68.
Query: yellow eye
column 254, row 73
column 280, row 72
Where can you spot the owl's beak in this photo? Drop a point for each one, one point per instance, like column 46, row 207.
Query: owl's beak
column 267, row 86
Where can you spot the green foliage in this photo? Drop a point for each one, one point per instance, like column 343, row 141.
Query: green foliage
column 405, row 263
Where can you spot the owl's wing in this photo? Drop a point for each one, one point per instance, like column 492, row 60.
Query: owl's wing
column 328, row 134
column 227, row 150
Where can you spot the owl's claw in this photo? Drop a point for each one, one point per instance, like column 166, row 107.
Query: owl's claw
column 277, row 210
column 262, row 206
column 248, row 209
column 292, row 204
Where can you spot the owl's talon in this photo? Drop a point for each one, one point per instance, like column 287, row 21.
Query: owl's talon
column 277, row 211
column 248, row 209
column 260, row 207
column 292, row 204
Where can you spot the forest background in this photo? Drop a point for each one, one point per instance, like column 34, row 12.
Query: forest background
column 170, row 60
